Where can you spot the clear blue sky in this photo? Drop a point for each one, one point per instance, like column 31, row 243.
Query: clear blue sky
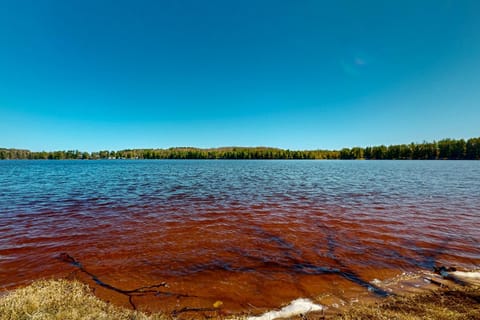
column 94, row 75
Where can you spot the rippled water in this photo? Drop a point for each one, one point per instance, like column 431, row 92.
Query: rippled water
column 253, row 234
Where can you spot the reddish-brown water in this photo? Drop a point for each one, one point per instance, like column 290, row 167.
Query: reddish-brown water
column 252, row 234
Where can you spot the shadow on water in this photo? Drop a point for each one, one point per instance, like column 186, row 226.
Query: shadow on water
column 293, row 262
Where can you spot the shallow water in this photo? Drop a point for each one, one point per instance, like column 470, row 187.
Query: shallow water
column 252, row 234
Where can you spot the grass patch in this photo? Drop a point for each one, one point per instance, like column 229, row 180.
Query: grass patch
column 62, row 299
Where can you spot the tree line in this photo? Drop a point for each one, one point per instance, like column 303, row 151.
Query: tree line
column 444, row 149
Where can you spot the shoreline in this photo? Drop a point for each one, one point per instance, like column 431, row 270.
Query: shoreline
column 436, row 150
column 52, row 299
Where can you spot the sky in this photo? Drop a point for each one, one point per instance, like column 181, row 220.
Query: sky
column 95, row 75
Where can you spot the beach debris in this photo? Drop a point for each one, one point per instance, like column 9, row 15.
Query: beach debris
column 471, row 277
column 443, row 271
column 444, row 276
column 447, row 273
column 299, row 306
column 217, row 304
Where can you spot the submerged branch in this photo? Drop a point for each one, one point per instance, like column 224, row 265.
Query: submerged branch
column 187, row 309
column 142, row 291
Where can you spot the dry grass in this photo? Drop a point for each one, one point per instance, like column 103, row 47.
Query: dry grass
column 462, row 303
column 62, row 299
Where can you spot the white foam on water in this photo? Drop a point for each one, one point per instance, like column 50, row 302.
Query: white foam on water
column 470, row 274
column 472, row 277
column 296, row 307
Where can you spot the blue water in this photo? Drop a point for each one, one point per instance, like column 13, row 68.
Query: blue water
column 33, row 186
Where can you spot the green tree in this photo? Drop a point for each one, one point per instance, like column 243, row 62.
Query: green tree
column 472, row 147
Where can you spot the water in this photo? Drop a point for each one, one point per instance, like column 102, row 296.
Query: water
column 252, row 234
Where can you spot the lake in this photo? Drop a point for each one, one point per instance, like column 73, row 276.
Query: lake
column 252, row 234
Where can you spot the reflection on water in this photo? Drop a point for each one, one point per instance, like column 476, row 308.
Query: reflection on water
column 253, row 234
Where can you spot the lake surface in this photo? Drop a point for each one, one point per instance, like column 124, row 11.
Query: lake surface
column 252, row 234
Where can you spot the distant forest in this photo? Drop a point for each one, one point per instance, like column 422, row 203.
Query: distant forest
column 450, row 149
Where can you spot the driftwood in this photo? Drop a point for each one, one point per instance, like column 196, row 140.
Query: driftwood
column 446, row 273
